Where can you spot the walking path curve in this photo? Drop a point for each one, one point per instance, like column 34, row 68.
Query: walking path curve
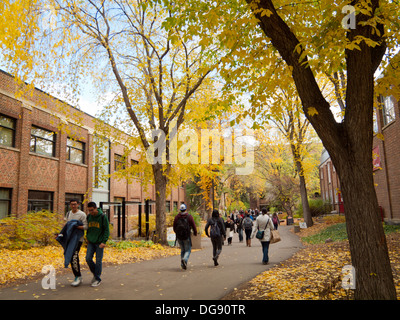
column 163, row 279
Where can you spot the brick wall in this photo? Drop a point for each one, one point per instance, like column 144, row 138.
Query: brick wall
column 22, row 170
column 387, row 177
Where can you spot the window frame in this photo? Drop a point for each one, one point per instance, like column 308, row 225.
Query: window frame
column 13, row 130
column 83, row 150
column 36, row 137
column 119, row 162
column 51, row 201
column 388, row 115
column 9, row 201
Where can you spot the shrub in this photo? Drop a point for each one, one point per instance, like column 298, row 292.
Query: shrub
column 31, row 229
column 317, row 207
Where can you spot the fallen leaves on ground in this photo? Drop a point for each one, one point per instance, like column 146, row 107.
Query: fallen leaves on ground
column 16, row 265
column 313, row 273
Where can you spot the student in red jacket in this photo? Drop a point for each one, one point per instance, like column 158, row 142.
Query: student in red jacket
column 183, row 222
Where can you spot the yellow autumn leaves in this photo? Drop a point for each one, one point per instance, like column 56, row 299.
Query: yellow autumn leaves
column 314, row 273
column 22, row 264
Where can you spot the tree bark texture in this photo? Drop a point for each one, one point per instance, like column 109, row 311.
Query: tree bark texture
column 349, row 144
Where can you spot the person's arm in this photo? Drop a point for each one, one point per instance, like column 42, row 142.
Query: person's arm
column 206, row 228
column 193, row 225
column 106, row 231
column 222, row 224
column 255, row 227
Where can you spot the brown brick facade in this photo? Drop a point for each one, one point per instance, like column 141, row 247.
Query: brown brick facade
column 22, row 171
column 386, row 150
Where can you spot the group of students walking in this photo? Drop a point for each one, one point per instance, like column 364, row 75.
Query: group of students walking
column 219, row 230
column 71, row 238
column 96, row 225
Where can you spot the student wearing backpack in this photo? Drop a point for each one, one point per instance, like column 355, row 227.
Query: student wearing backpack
column 183, row 222
column 239, row 227
column 217, row 234
column 248, row 227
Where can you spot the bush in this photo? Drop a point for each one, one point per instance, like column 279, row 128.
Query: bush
column 317, row 207
column 126, row 244
column 31, row 229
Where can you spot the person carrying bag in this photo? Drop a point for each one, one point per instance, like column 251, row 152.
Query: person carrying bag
column 263, row 222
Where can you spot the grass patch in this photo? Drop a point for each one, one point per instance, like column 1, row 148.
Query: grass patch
column 337, row 232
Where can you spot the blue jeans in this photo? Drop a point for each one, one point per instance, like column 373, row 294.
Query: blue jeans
column 240, row 232
column 265, row 247
column 186, row 248
column 93, row 248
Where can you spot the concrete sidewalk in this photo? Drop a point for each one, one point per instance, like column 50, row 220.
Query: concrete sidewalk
column 163, row 279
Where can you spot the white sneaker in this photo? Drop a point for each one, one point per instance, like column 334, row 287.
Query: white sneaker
column 96, row 283
column 76, row 282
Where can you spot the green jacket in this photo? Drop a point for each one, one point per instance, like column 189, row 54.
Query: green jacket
column 98, row 228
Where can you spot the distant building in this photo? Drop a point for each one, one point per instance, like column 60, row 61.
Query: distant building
column 42, row 167
column 386, row 164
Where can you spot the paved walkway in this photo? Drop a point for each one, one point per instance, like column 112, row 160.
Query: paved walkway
column 163, row 279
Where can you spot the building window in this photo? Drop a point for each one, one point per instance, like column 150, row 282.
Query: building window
column 175, row 205
column 75, row 151
column 40, row 200
column 118, row 207
column 5, row 202
column 7, row 131
column 388, row 110
column 73, row 196
column 329, row 173
column 119, row 162
column 168, row 206
column 43, row 142
column 375, row 119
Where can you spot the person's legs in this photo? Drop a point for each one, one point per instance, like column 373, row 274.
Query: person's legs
column 99, row 262
column 265, row 247
column 186, row 247
column 76, row 269
column 91, row 249
column 240, row 231
column 214, row 245
column 75, row 266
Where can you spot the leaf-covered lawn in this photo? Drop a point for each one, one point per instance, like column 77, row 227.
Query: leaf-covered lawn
column 16, row 265
column 315, row 272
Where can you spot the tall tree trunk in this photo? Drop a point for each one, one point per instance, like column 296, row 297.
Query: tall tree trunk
column 303, row 188
column 369, row 253
column 304, row 198
column 161, row 181
column 349, row 143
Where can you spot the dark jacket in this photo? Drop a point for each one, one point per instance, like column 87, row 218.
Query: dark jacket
column 69, row 239
column 220, row 223
column 190, row 221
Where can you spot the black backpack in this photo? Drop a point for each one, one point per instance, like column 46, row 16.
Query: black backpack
column 182, row 228
column 247, row 223
column 215, row 230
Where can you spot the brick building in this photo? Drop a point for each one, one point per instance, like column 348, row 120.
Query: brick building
column 386, row 164
column 48, row 154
